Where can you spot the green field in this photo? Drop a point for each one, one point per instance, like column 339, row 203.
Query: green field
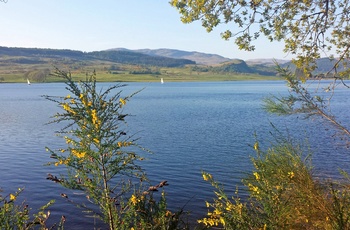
column 16, row 73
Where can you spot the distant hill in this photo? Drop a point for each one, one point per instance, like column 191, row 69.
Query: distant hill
column 34, row 55
column 235, row 66
column 266, row 62
column 199, row 58
column 324, row 65
column 143, row 57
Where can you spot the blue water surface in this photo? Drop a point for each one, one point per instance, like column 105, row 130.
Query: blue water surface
column 189, row 127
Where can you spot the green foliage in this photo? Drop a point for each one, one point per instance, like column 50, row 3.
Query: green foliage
column 145, row 71
column 283, row 194
column 147, row 210
column 17, row 216
column 308, row 28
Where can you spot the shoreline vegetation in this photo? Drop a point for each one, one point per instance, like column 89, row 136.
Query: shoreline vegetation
column 150, row 78
column 168, row 74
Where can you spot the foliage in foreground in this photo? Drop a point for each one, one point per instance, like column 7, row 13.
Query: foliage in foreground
column 307, row 102
column 101, row 160
column 17, row 216
column 283, row 194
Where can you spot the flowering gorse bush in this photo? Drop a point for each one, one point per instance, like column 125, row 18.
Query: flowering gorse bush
column 283, row 194
column 100, row 156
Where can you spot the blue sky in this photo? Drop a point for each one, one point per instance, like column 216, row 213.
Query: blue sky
column 88, row 25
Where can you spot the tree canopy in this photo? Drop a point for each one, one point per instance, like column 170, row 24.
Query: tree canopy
column 309, row 28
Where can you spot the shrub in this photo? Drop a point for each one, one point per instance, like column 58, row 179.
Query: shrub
column 17, row 216
column 283, row 194
column 100, row 156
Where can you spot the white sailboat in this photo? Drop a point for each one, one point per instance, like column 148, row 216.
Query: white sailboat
column 28, row 81
column 161, row 81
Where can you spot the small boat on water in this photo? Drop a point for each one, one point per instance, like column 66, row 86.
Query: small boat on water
column 28, row 81
column 161, row 81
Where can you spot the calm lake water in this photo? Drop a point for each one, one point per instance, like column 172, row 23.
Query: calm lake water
column 189, row 127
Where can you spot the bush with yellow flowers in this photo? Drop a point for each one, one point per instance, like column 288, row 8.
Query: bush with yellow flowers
column 15, row 215
column 100, row 155
column 283, row 194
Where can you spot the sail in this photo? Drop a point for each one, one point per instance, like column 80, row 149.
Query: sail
column 161, row 81
column 28, row 81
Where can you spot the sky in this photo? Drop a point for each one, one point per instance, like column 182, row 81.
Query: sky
column 88, row 25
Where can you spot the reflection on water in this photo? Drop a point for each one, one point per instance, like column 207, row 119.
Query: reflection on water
column 189, row 127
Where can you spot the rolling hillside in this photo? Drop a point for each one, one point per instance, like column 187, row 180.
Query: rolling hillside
column 199, row 58
column 36, row 56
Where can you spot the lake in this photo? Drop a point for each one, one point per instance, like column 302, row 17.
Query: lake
column 189, row 127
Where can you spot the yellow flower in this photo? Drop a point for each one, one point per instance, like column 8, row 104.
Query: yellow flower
column 256, row 146
column 95, row 120
column 68, row 108
column 217, row 212
column 78, row 153
column 222, row 220
column 12, row 197
column 61, row 162
column 290, row 175
column 122, row 101
column 206, row 177
column 230, row 206
column 94, row 116
column 253, row 188
column 65, row 106
column 68, row 96
column 257, row 176
column 83, row 100
column 133, row 199
column 68, row 140
column 124, row 144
